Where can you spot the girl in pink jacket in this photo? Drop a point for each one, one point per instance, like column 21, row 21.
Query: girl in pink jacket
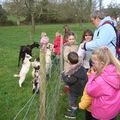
column 104, row 85
column 44, row 40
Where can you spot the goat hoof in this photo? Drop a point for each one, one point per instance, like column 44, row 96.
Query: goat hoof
column 33, row 91
column 20, row 85
column 38, row 92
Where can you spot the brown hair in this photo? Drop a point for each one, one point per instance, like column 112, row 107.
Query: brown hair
column 87, row 31
column 70, row 34
column 73, row 57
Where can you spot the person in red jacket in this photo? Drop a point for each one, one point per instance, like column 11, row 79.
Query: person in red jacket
column 57, row 45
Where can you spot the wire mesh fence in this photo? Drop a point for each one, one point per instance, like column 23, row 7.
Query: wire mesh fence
column 32, row 105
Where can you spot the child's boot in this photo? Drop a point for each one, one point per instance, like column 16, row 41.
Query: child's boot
column 72, row 114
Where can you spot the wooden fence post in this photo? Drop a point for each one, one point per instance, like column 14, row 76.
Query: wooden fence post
column 42, row 86
column 61, row 54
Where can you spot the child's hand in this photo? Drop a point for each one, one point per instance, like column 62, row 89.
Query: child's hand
column 62, row 72
column 82, row 45
column 91, row 70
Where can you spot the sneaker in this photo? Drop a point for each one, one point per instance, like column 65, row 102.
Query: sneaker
column 69, row 109
column 70, row 115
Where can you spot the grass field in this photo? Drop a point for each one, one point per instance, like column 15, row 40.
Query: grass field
column 13, row 98
column 13, row 18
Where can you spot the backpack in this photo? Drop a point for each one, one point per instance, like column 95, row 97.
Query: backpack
column 117, row 45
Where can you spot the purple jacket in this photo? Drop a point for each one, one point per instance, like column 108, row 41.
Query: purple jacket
column 105, row 92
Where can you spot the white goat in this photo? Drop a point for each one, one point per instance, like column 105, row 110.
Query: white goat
column 24, row 70
column 49, row 51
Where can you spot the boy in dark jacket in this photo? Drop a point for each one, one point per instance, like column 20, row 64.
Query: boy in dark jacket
column 76, row 79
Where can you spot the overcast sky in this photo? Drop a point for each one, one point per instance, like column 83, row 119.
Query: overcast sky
column 105, row 2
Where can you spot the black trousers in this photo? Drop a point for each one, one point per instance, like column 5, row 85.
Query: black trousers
column 88, row 116
column 73, row 100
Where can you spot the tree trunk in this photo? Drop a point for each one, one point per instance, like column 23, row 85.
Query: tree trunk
column 18, row 20
column 33, row 22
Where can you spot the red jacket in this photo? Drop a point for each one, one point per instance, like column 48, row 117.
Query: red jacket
column 57, row 44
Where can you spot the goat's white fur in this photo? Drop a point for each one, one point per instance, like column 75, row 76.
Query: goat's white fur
column 35, row 75
column 34, row 64
column 36, row 81
column 48, row 59
column 24, row 70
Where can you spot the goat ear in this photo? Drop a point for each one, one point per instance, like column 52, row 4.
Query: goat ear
column 26, row 54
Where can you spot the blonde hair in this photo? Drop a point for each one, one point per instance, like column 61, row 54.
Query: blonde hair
column 57, row 34
column 43, row 34
column 105, row 55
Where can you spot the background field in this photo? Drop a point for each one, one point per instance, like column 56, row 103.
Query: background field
column 13, row 98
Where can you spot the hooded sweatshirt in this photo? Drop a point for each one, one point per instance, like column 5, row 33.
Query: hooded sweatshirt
column 105, row 93
column 103, row 36
column 75, row 78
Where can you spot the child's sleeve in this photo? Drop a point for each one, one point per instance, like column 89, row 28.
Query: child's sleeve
column 69, row 80
column 85, row 100
column 95, row 87
column 81, row 52
column 66, row 52
column 55, row 43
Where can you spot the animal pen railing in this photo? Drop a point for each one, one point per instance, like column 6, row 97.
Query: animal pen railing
column 43, row 106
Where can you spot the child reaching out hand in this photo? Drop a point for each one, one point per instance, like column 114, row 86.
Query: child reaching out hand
column 104, row 85
column 85, row 55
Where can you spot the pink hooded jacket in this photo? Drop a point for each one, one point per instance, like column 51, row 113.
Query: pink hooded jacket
column 44, row 40
column 105, row 92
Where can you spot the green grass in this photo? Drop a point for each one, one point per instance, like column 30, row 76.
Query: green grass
column 13, row 98
column 13, row 18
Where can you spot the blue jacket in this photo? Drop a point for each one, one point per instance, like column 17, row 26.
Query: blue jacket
column 103, row 36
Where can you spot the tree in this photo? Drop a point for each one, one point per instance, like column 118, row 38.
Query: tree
column 15, row 7
column 113, row 9
column 35, row 8
column 3, row 15
column 52, row 10
column 30, row 5
column 100, row 4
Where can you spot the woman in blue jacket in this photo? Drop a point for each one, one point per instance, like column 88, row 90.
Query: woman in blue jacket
column 104, row 34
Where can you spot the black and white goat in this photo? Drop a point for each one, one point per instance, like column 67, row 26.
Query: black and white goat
column 26, row 49
column 35, row 66
column 36, row 75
